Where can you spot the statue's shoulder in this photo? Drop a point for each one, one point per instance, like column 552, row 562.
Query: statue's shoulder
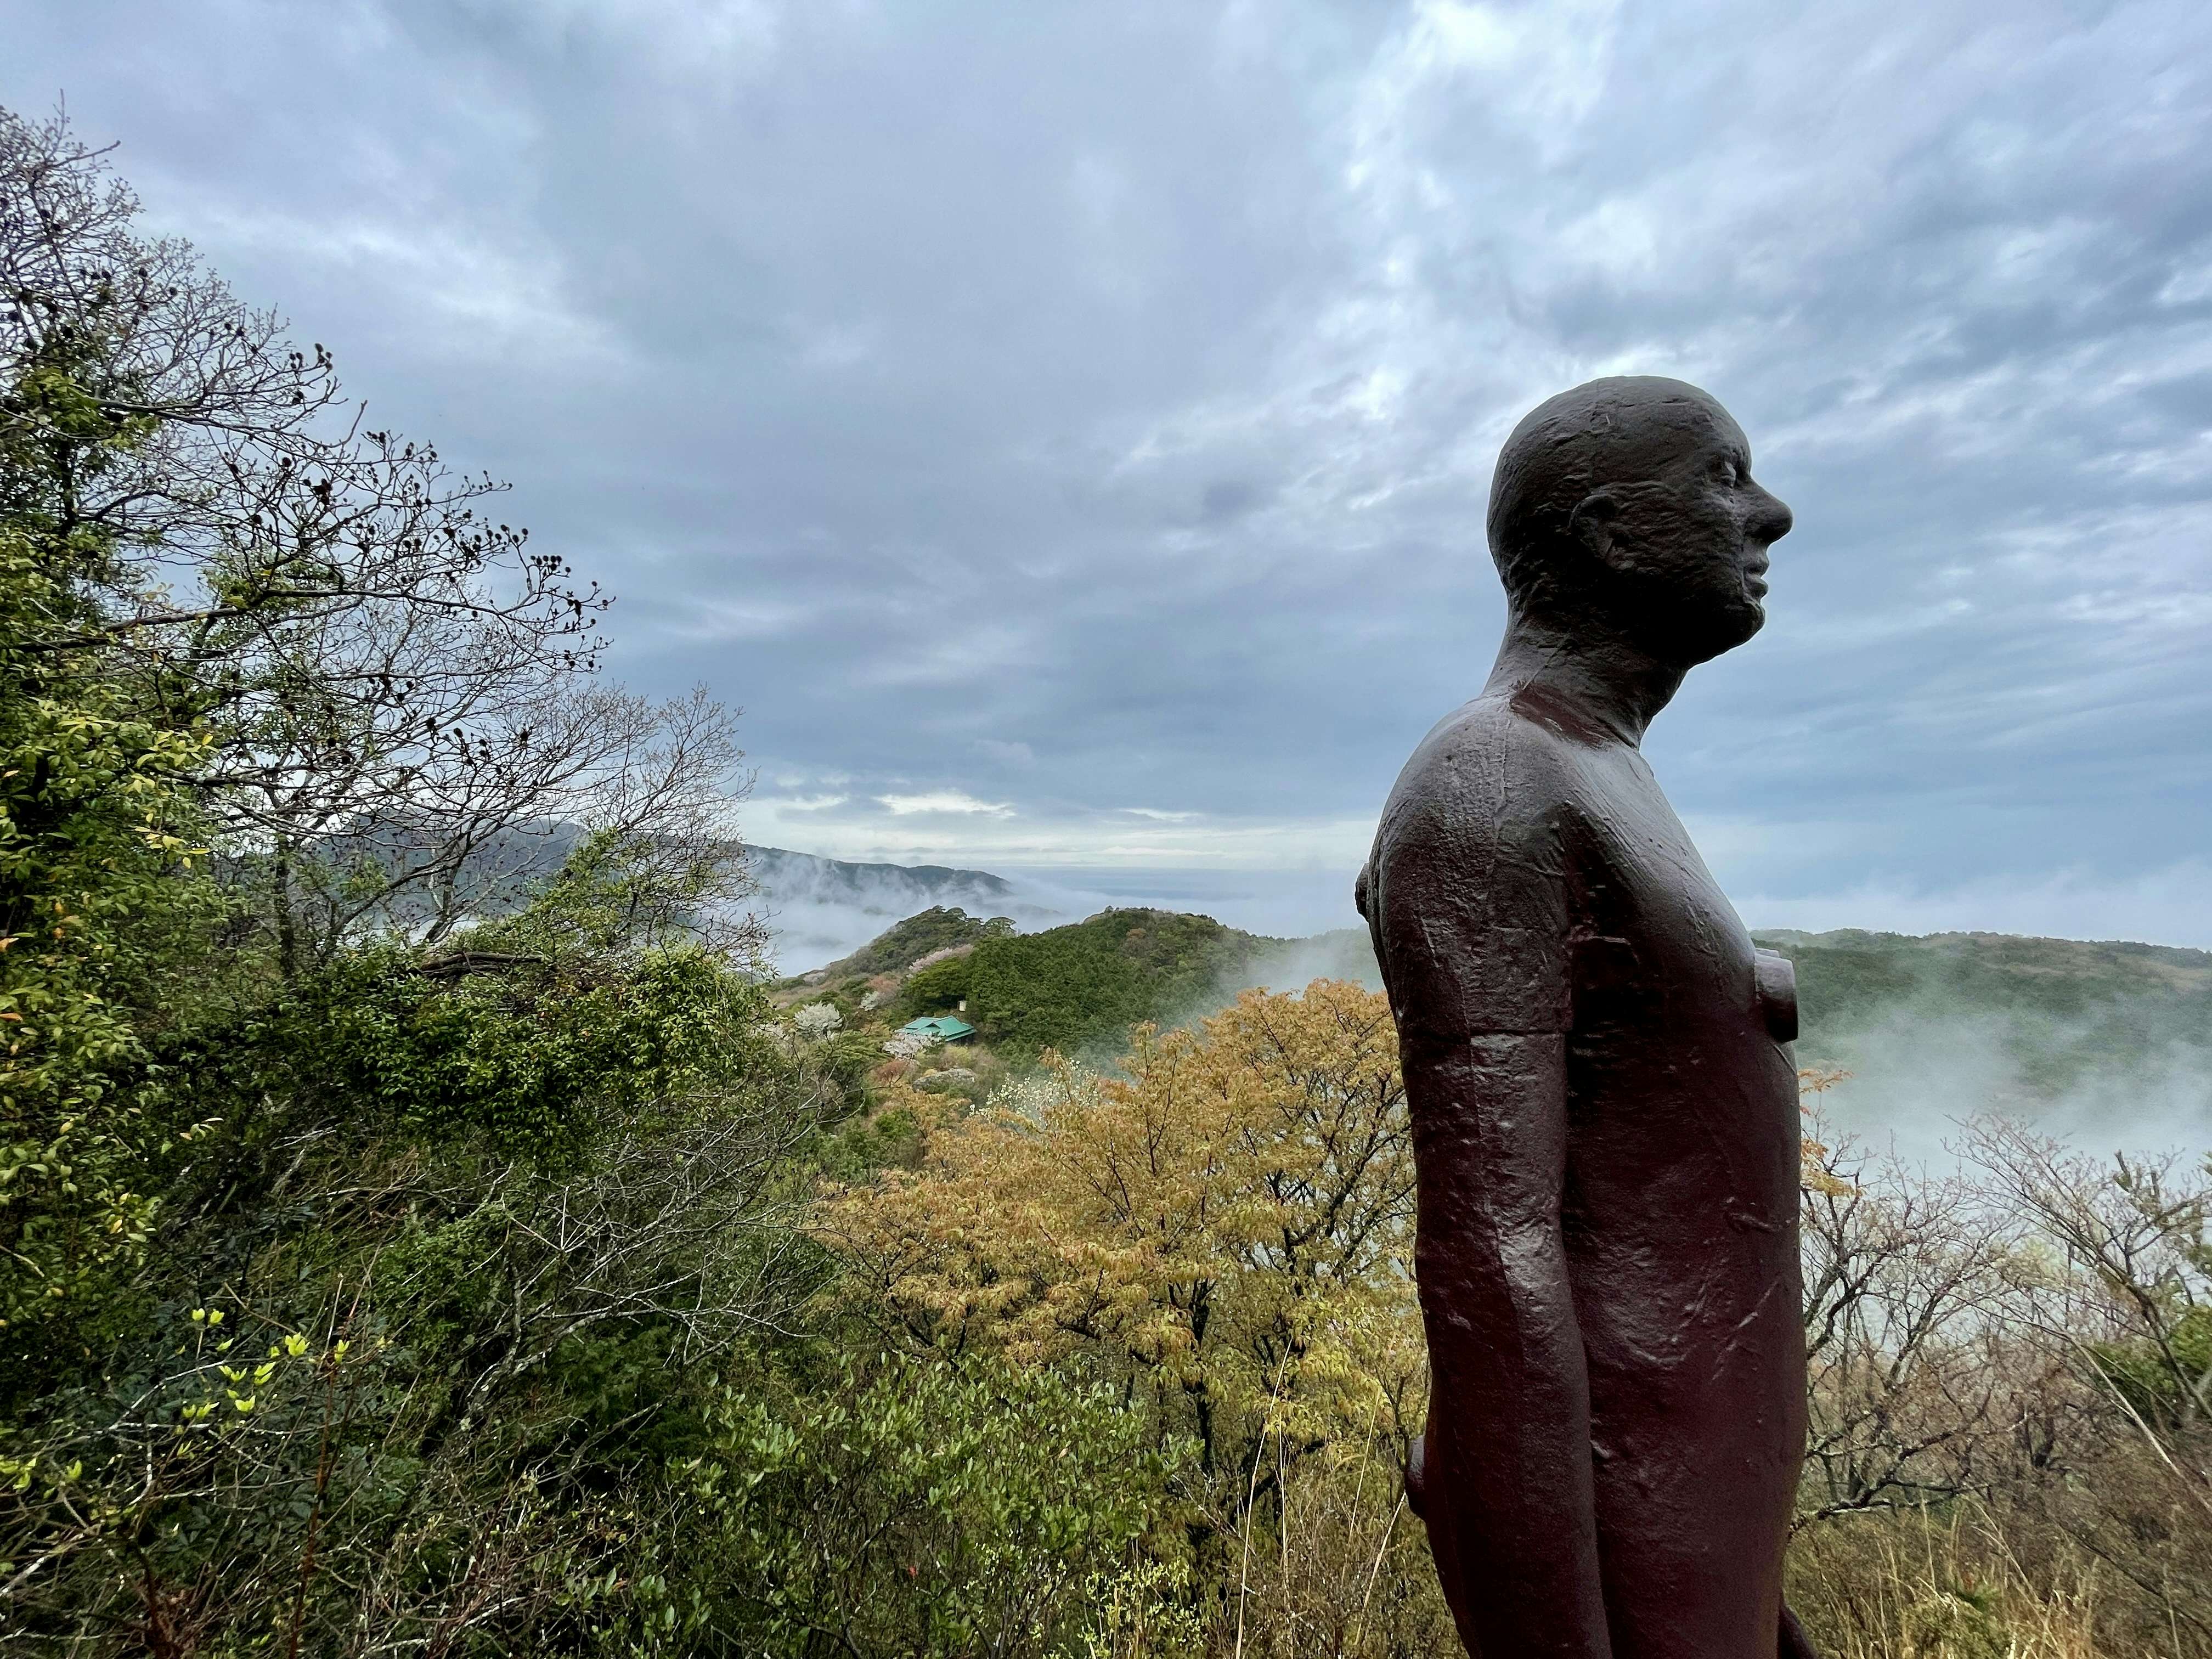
column 1495, row 758
column 1493, row 788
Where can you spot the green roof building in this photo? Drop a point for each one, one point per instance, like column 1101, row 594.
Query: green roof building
column 938, row 1028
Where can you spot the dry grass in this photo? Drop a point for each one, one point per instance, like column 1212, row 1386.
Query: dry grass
column 1919, row 1587
column 1333, row 1565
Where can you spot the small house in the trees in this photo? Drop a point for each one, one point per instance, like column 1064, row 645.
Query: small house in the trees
column 938, row 1028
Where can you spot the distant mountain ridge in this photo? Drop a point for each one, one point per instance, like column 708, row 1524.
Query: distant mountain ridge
column 779, row 870
column 822, row 908
column 2073, row 957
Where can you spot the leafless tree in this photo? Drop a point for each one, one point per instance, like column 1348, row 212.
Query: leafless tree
column 397, row 690
column 2137, row 1237
column 1921, row 1376
column 694, row 1229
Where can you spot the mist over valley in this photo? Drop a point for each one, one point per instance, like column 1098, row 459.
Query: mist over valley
column 2107, row 1044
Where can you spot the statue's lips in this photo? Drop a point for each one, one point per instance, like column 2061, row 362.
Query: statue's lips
column 1754, row 582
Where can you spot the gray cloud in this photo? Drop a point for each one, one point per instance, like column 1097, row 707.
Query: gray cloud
column 1071, row 408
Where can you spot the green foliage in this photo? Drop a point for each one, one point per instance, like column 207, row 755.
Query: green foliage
column 887, row 1138
column 198, row 1457
column 531, row 1065
column 847, row 1058
column 1081, row 987
column 899, row 947
column 937, row 989
column 100, row 870
column 494, row 1230
column 919, row 1508
column 2159, row 1385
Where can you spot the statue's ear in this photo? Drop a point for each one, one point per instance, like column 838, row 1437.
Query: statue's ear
column 1595, row 523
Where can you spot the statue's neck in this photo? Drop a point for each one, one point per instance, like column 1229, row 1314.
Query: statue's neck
column 1589, row 671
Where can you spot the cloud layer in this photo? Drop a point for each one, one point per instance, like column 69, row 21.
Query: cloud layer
column 1066, row 430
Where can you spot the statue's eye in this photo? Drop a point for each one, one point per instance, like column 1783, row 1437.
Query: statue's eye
column 1727, row 472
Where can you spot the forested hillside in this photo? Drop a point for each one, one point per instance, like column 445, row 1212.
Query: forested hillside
column 2070, row 1007
column 2111, row 1039
column 1077, row 988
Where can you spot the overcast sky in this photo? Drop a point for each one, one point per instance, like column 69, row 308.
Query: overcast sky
column 1064, row 429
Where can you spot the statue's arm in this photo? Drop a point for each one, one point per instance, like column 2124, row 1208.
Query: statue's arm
column 1472, row 916
column 1508, row 1469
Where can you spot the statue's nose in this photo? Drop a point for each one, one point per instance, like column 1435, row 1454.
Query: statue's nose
column 1771, row 518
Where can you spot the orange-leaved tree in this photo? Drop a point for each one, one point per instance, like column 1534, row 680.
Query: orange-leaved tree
column 1223, row 1229
column 1228, row 1224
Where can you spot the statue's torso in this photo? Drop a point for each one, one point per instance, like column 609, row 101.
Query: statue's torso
column 1678, row 1212
column 1681, row 1207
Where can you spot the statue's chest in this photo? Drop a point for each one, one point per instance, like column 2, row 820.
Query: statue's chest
column 1658, row 938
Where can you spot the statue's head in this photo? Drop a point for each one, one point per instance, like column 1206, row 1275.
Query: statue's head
column 1628, row 502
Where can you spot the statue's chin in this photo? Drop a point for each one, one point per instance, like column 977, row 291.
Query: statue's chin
column 1691, row 637
column 1722, row 640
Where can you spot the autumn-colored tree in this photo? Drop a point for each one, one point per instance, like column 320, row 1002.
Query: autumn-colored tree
column 1223, row 1229
column 1230, row 1223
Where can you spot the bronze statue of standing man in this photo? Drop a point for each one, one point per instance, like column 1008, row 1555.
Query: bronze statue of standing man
column 1605, row 1117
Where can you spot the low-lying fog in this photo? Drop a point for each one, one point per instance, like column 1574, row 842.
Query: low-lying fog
column 1915, row 1077
column 1915, row 1074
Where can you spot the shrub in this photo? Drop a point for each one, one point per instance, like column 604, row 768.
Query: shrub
column 911, row 1507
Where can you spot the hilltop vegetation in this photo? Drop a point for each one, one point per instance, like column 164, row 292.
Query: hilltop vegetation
column 903, row 944
column 2108, row 1040
column 1077, row 988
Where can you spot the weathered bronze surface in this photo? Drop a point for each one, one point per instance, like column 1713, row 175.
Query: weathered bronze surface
column 1605, row 1118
